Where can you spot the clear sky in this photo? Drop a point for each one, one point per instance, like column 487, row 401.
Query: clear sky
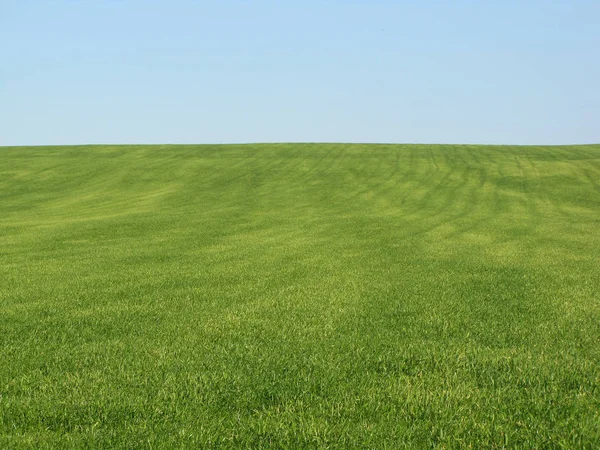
column 183, row 71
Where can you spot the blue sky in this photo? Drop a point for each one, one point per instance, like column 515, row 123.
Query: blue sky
column 133, row 71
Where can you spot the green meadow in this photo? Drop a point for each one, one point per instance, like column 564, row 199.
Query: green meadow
column 300, row 296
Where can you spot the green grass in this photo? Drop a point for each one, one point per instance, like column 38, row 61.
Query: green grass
column 300, row 295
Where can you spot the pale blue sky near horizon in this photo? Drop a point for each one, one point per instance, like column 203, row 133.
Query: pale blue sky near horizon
column 182, row 71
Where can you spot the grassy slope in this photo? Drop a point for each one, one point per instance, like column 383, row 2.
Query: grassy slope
column 318, row 295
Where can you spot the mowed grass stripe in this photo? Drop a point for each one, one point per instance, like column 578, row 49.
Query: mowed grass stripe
column 300, row 295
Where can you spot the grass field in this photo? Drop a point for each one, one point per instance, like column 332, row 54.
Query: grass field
column 300, row 295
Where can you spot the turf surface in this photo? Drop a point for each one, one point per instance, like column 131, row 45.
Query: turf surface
column 300, row 295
